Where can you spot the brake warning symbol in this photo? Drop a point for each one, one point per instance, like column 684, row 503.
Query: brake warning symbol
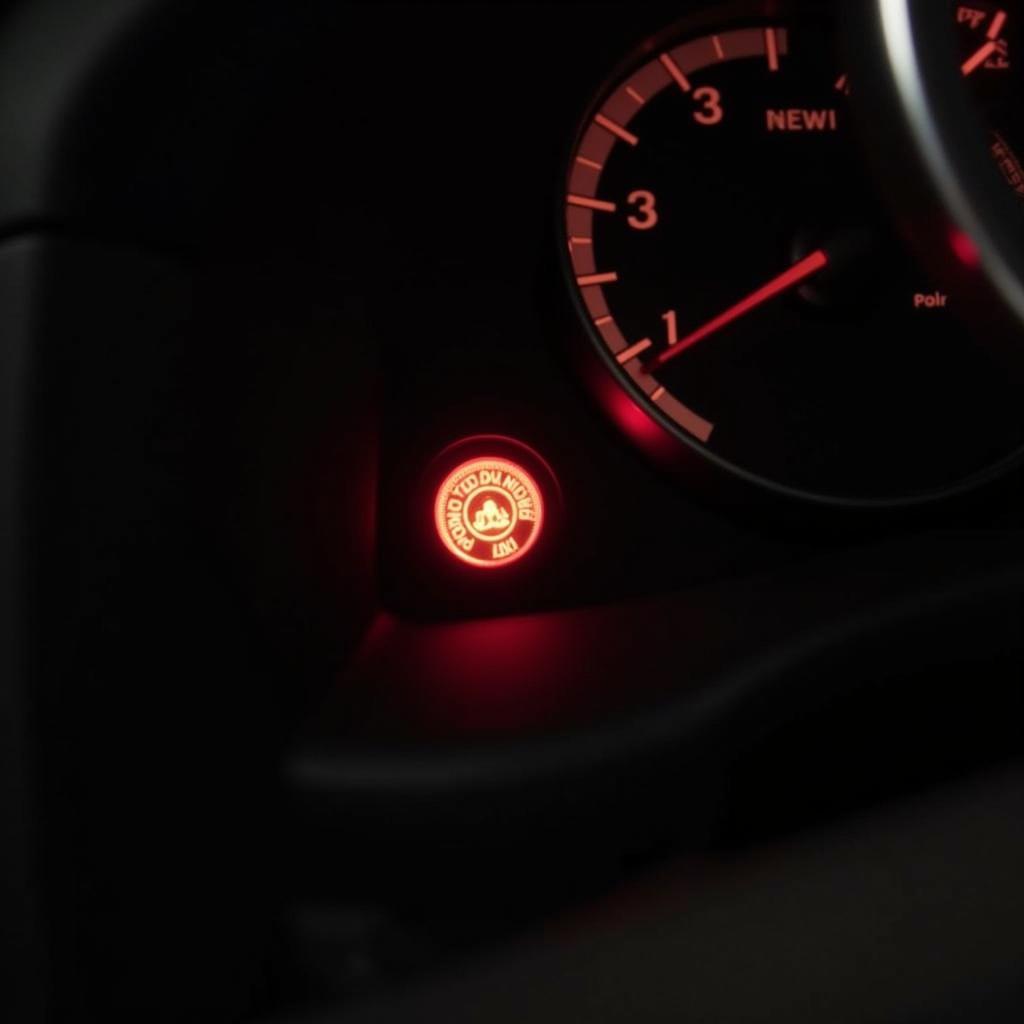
column 491, row 516
column 489, row 512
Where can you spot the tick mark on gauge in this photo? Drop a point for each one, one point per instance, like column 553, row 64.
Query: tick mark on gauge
column 771, row 49
column 591, row 279
column 719, row 49
column 635, row 96
column 658, row 395
column 973, row 63
column 675, row 71
column 616, row 129
column 996, row 28
column 629, row 354
column 592, row 164
column 591, row 204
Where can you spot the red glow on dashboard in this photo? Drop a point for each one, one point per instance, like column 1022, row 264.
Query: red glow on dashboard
column 631, row 419
column 489, row 512
column 964, row 248
column 502, row 676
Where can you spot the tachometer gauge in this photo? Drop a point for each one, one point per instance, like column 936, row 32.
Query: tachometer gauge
column 739, row 277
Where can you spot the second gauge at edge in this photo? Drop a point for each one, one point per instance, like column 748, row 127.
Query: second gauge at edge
column 737, row 271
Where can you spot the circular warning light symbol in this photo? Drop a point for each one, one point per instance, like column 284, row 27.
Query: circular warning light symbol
column 489, row 512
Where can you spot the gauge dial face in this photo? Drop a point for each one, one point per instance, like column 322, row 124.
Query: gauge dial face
column 737, row 272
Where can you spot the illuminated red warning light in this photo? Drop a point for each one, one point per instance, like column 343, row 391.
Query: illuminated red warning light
column 489, row 512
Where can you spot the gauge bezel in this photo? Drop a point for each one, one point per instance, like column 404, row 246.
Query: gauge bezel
column 648, row 427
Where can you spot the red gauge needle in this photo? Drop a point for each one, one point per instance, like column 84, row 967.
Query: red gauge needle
column 806, row 268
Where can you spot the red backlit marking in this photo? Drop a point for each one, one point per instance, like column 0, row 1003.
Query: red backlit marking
column 673, row 69
column 736, row 45
column 612, row 336
column 592, row 204
column 931, row 300
column 602, row 320
column 592, row 279
column 973, row 63
column 594, row 300
column 583, row 181
column 581, row 241
column 581, row 253
column 968, row 14
column 808, row 266
column 620, row 108
column 579, row 221
column 650, row 80
column 771, row 49
column 996, row 28
column 1008, row 163
column 843, row 85
column 634, row 95
column 795, row 120
column 671, row 330
column 584, row 262
column 711, row 112
column 646, row 215
column 489, row 512
column 597, row 144
column 592, row 164
column 633, row 351
column 616, row 129
column 693, row 424
column 658, row 395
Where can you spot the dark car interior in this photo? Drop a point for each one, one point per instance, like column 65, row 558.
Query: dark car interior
column 511, row 512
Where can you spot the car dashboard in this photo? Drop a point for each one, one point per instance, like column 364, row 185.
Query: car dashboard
column 512, row 512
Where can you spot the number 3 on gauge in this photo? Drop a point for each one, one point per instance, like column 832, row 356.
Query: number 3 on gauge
column 711, row 112
column 645, row 216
